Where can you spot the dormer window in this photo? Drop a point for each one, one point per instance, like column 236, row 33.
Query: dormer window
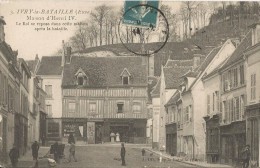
column 81, row 77
column 80, row 80
column 125, row 80
column 125, row 75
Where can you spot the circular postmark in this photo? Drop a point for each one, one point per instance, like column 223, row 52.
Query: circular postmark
column 143, row 29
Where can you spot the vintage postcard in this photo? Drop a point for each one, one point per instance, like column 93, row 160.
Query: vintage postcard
column 120, row 83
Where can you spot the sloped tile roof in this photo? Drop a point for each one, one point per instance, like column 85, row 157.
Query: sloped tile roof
column 31, row 65
column 50, row 65
column 208, row 59
column 105, row 71
column 175, row 97
column 191, row 74
column 172, row 63
column 173, row 76
column 238, row 53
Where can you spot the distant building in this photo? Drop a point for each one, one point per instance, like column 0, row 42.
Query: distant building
column 253, row 94
column 194, row 103
column 233, row 101
column 37, row 117
column 50, row 73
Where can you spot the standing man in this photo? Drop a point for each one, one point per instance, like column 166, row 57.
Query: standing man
column 56, row 152
column 246, row 156
column 35, row 150
column 72, row 152
column 123, row 154
column 14, row 155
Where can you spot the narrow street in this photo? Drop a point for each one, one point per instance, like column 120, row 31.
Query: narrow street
column 105, row 155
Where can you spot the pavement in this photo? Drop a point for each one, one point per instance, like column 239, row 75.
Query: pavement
column 194, row 163
column 107, row 155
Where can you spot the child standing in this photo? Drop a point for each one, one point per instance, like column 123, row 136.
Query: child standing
column 72, row 151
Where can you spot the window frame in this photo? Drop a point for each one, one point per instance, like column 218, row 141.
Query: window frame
column 48, row 92
column 122, row 106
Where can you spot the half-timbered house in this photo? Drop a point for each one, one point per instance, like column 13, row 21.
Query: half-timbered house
column 104, row 95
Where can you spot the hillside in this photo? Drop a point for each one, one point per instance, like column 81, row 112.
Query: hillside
column 201, row 43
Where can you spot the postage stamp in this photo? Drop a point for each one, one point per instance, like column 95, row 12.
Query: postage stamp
column 141, row 13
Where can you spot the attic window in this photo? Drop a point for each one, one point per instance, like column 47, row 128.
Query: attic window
column 80, row 80
column 125, row 80
column 125, row 75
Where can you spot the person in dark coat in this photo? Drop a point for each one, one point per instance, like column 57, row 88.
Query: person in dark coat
column 246, row 156
column 35, row 150
column 14, row 155
column 122, row 153
column 143, row 154
column 56, row 153
column 71, row 139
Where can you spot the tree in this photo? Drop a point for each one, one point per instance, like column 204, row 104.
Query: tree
column 99, row 15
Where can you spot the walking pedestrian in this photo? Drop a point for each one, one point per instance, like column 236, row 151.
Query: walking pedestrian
column 35, row 150
column 246, row 156
column 123, row 154
column 72, row 151
column 56, row 152
column 71, row 138
column 14, row 155
column 143, row 154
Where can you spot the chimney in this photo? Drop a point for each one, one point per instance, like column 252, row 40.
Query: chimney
column 36, row 57
column 255, row 33
column 63, row 53
column 196, row 61
column 2, row 31
column 68, row 55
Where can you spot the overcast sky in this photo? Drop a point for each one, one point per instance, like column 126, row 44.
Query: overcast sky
column 29, row 42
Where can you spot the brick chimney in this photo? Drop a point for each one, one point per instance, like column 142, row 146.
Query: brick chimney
column 68, row 55
column 2, row 31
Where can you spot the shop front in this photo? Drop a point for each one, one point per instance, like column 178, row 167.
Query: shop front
column 233, row 140
column 253, row 128
column 212, row 138
column 171, row 139
column 86, row 130
column 125, row 130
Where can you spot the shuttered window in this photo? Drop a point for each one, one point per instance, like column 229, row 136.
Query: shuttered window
column 253, row 86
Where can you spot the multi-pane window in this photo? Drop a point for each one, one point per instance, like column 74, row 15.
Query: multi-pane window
column 253, row 86
column 187, row 116
column 53, row 129
column 92, row 107
column 236, row 108
column 137, row 107
column 49, row 109
column 120, row 107
column 72, row 107
column 233, row 78
column 48, row 90
column 208, row 104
